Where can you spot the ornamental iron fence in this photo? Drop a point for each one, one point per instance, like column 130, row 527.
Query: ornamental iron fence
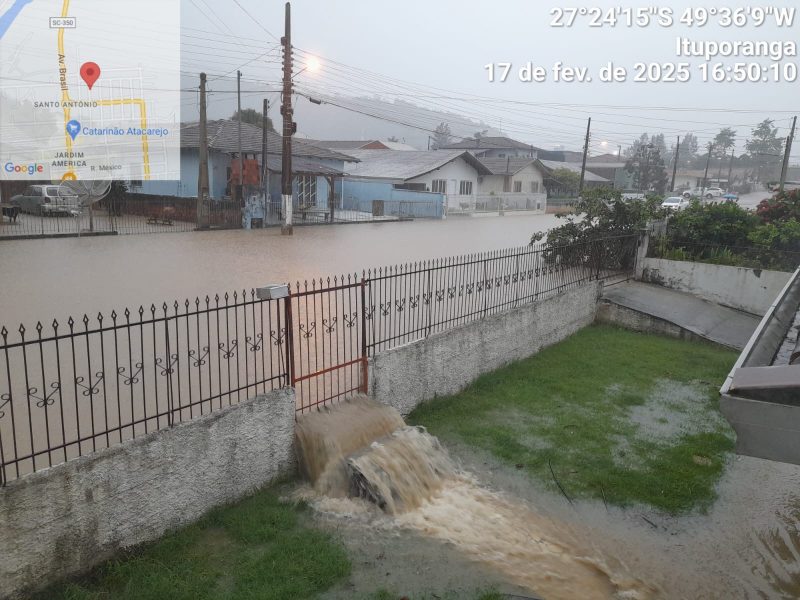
column 70, row 389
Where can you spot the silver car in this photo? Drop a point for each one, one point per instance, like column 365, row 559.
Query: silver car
column 46, row 200
column 675, row 203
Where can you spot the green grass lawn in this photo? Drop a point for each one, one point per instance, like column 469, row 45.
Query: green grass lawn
column 618, row 416
column 256, row 549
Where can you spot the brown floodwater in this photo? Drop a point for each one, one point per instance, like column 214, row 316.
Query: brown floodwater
column 47, row 278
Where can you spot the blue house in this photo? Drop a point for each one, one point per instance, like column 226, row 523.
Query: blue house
column 314, row 168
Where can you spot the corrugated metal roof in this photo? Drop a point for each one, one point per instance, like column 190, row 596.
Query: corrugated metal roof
column 223, row 135
column 552, row 165
column 506, row 166
column 405, row 164
column 359, row 144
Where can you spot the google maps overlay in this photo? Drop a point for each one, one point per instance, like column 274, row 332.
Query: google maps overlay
column 82, row 98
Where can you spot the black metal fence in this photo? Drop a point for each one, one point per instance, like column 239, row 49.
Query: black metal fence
column 73, row 388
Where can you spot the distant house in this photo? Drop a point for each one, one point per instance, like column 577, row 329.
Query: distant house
column 449, row 177
column 502, row 147
column 347, row 145
column 556, row 190
column 513, row 183
column 314, row 168
column 612, row 167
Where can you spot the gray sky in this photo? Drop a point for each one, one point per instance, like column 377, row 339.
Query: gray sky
column 439, row 50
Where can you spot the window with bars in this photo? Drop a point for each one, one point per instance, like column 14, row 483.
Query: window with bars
column 307, row 190
column 439, row 186
column 517, row 187
column 465, row 188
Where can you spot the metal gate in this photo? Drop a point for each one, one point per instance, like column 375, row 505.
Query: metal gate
column 327, row 336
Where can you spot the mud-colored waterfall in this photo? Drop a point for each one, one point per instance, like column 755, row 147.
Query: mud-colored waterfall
column 364, row 449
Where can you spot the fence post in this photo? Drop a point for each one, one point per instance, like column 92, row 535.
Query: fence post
column 641, row 253
column 364, row 360
column 290, row 375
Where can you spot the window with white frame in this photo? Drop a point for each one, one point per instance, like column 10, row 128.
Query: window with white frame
column 465, row 188
column 439, row 186
column 517, row 187
column 307, row 190
column 534, row 187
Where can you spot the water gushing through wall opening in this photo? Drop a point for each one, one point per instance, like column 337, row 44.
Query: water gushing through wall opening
column 363, row 449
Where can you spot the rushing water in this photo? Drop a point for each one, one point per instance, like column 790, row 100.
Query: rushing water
column 46, row 278
column 363, row 449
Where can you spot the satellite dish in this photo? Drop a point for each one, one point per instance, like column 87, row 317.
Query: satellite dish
column 87, row 192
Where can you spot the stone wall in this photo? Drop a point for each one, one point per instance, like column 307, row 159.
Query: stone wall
column 64, row 520
column 447, row 362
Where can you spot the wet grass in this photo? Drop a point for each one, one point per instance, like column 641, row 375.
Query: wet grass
column 566, row 416
column 256, row 549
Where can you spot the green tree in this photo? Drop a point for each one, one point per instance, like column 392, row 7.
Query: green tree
column 253, row 117
column 724, row 141
column 563, row 183
column 442, row 136
column 764, row 148
column 648, row 169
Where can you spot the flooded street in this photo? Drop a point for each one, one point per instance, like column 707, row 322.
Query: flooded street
column 47, row 278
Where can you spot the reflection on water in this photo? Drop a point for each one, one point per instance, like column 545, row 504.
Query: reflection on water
column 40, row 279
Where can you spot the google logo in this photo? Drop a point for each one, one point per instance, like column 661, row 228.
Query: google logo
column 32, row 169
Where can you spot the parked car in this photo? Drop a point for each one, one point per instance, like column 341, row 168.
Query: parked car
column 675, row 203
column 707, row 193
column 46, row 200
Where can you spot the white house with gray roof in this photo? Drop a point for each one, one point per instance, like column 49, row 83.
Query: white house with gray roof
column 453, row 175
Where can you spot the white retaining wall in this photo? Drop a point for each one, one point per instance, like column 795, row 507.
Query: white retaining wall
column 68, row 518
column 447, row 362
column 750, row 290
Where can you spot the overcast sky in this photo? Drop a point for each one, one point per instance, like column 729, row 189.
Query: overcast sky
column 442, row 46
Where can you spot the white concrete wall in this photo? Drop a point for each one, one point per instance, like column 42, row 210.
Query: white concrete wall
column 750, row 290
column 447, row 362
column 495, row 183
column 66, row 519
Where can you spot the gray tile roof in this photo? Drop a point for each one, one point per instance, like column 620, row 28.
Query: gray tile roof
column 406, row 164
column 302, row 166
column 552, row 165
column 506, row 166
column 223, row 135
column 489, row 143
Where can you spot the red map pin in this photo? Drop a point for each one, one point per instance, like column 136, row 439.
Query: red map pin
column 90, row 73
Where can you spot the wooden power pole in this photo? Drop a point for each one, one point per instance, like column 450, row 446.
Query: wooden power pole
column 289, row 126
column 708, row 163
column 675, row 166
column 787, row 154
column 202, row 180
column 585, row 155
column 240, row 185
column 264, row 153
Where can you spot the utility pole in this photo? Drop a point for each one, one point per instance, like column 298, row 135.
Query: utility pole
column 730, row 169
column 289, row 126
column 789, row 142
column 202, row 180
column 264, row 153
column 708, row 163
column 585, row 154
column 675, row 166
column 240, row 185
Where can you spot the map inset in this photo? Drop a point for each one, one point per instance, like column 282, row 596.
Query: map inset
column 89, row 89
